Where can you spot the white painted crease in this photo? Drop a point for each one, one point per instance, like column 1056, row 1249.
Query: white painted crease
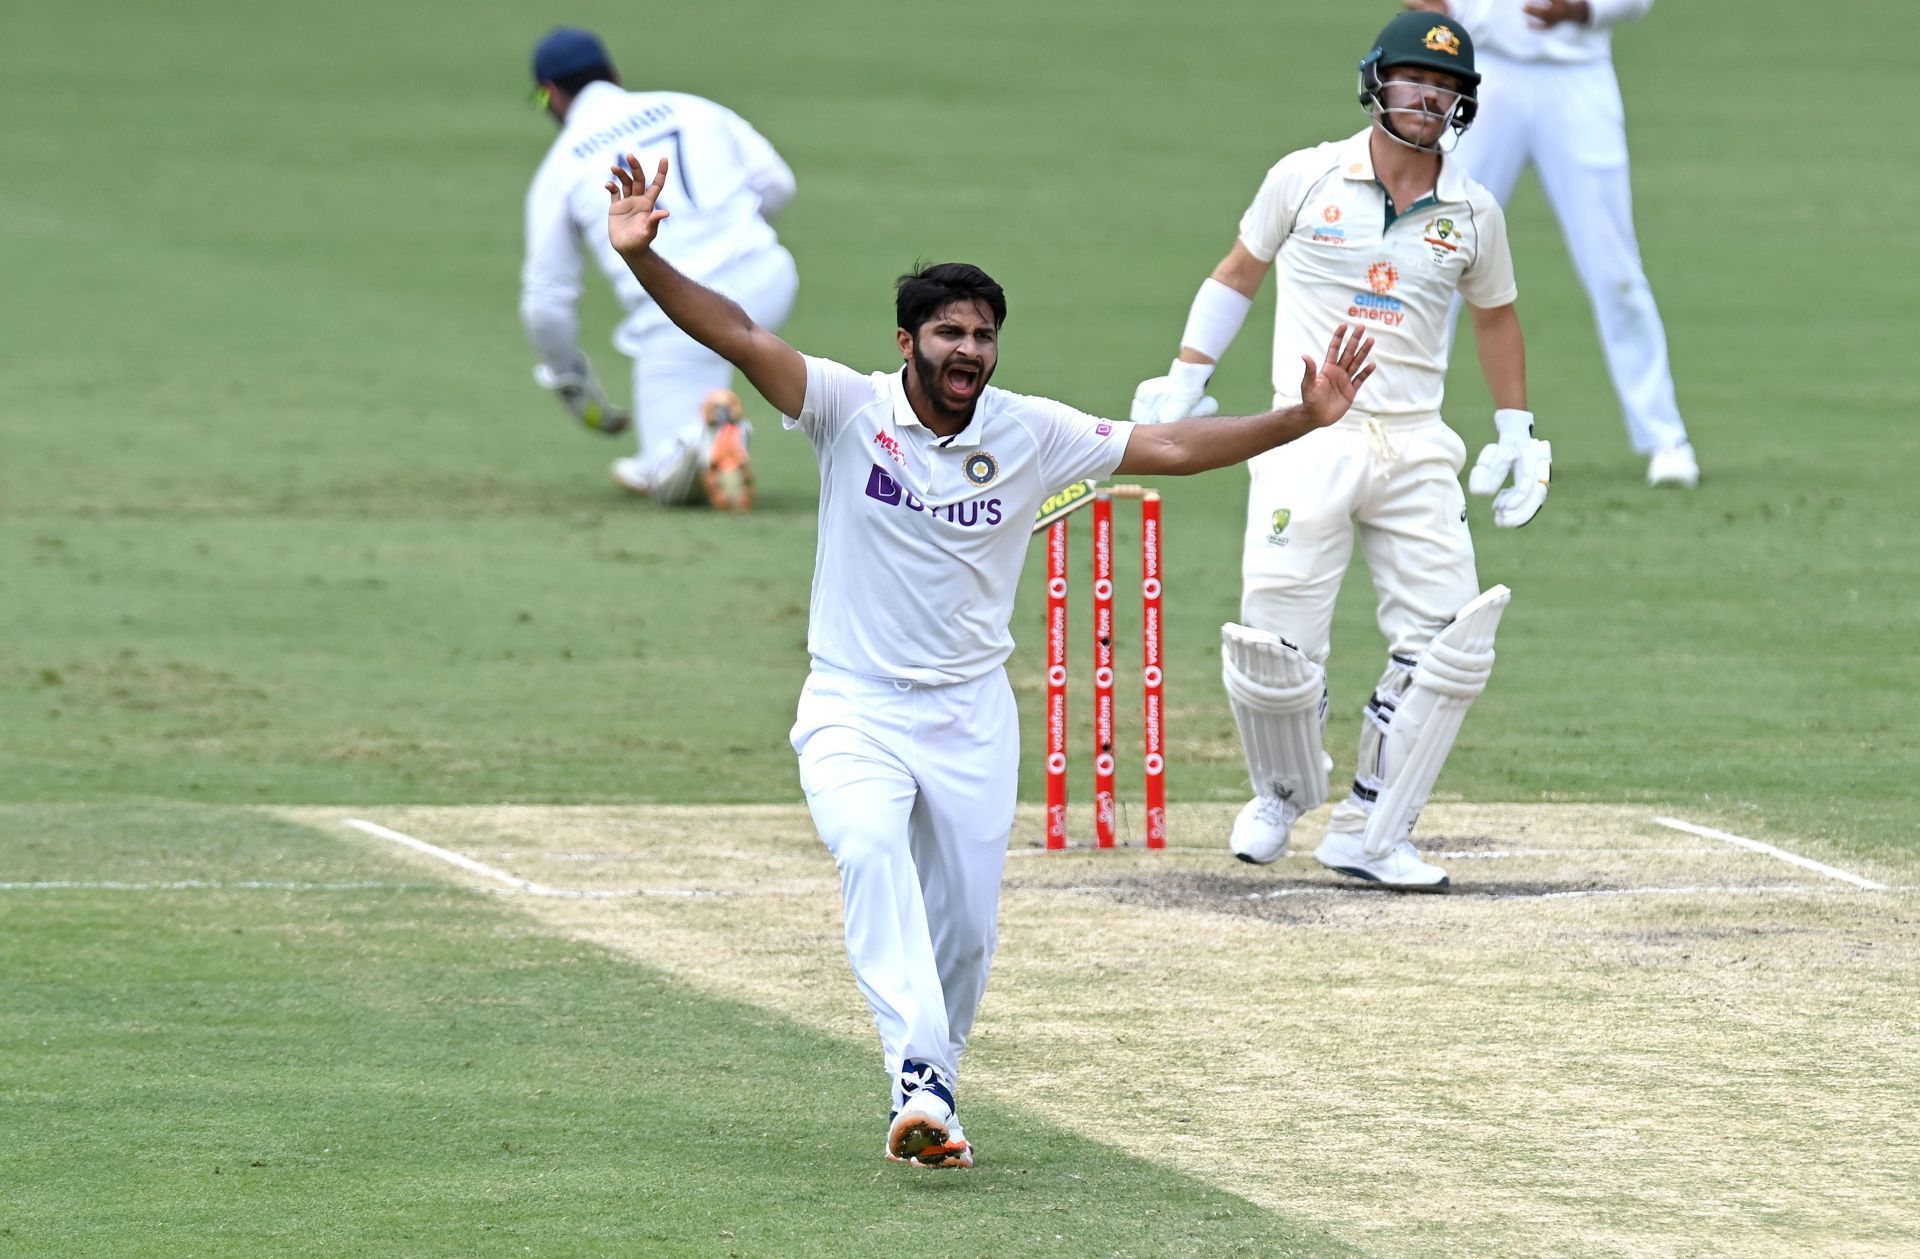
column 512, row 881
column 211, row 885
column 1791, row 858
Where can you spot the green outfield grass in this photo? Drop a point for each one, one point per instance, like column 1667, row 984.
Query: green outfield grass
column 283, row 520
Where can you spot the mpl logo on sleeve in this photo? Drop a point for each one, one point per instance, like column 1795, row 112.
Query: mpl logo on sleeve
column 886, row 442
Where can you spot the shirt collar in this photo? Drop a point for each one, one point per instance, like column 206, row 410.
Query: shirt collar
column 1356, row 162
column 903, row 416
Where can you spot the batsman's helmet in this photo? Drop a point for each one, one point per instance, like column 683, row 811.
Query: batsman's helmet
column 1431, row 41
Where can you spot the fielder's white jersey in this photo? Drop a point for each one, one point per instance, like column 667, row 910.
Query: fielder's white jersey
column 922, row 538
column 1322, row 219
column 726, row 181
column 1500, row 27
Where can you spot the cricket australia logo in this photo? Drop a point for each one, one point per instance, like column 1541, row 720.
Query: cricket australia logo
column 1281, row 519
column 981, row 468
column 1442, row 237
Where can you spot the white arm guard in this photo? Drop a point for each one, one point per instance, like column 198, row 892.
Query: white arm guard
column 1213, row 323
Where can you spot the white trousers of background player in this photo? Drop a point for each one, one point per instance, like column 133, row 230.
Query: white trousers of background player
column 912, row 789
column 1395, row 482
column 1569, row 122
column 673, row 373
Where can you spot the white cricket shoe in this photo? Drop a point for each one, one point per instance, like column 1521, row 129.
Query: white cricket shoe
column 1261, row 832
column 1675, row 465
column 631, row 476
column 924, row 1129
column 1401, row 868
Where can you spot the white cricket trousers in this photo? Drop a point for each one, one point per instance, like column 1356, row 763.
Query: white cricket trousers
column 912, row 788
column 673, row 373
column 1568, row 121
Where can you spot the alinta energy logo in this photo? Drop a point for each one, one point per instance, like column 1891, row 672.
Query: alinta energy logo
column 1377, row 307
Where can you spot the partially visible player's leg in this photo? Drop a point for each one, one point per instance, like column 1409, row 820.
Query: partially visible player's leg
column 1299, row 539
column 1500, row 143
column 1587, row 180
column 1414, row 532
column 672, row 376
column 1498, row 146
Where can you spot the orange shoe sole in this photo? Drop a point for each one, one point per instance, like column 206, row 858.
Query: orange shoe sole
column 728, row 476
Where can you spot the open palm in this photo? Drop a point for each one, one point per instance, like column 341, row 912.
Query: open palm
column 1328, row 391
column 633, row 220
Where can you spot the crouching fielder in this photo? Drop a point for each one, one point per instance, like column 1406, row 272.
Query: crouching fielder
column 1381, row 229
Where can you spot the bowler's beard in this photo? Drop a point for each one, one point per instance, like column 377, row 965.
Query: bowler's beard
column 927, row 373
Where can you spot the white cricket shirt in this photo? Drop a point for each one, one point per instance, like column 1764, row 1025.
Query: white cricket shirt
column 725, row 180
column 1500, row 27
column 922, row 537
column 1322, row 219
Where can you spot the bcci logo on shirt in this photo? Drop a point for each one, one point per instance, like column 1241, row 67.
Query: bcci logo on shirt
column 980, row 469
column 1281, row 519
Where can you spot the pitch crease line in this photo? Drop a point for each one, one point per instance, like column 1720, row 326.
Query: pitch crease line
column 512, row 881
column 1791, row 858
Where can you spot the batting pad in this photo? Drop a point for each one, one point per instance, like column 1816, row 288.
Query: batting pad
column 1279, row 701
column 1450, row 675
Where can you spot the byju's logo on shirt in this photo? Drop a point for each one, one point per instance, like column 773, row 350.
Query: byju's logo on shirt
column 884, row 489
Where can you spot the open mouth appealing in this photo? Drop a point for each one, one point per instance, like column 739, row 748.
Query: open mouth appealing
column 963, row 382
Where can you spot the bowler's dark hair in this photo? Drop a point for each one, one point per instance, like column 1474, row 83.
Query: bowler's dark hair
column 919, row 295
column 572, row 83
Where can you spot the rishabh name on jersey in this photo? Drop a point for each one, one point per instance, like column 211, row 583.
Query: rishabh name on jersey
column 922, row 538
column 1321, row 218
column 715, row 214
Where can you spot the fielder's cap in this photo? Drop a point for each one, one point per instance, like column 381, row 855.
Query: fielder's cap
column 567, row 50
column 1432, row 41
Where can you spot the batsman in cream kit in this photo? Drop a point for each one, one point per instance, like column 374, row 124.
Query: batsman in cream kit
column 907, row 739
column 1382, row 229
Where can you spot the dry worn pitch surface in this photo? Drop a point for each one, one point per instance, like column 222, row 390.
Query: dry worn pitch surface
column 1611, row 1038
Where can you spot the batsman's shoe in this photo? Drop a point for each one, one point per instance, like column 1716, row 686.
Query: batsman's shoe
column 1261, row 832
column 1401, row 868
column 1674, row 465
column 924, row 1130
column 726, row 473
column 631, row 476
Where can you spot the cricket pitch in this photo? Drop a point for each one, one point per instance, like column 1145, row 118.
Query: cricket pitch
column 1612, row 1037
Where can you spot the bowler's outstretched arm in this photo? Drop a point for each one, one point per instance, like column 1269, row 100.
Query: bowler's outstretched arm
column 633, row 220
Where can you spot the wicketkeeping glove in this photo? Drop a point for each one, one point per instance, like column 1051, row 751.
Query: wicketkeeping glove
column 1175, row 396
column 1516, row 454
column 583, row 398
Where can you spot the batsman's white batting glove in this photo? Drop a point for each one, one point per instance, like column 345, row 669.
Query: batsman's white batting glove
column 1175, row 396
column 583, row 398
column 1517, row 454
